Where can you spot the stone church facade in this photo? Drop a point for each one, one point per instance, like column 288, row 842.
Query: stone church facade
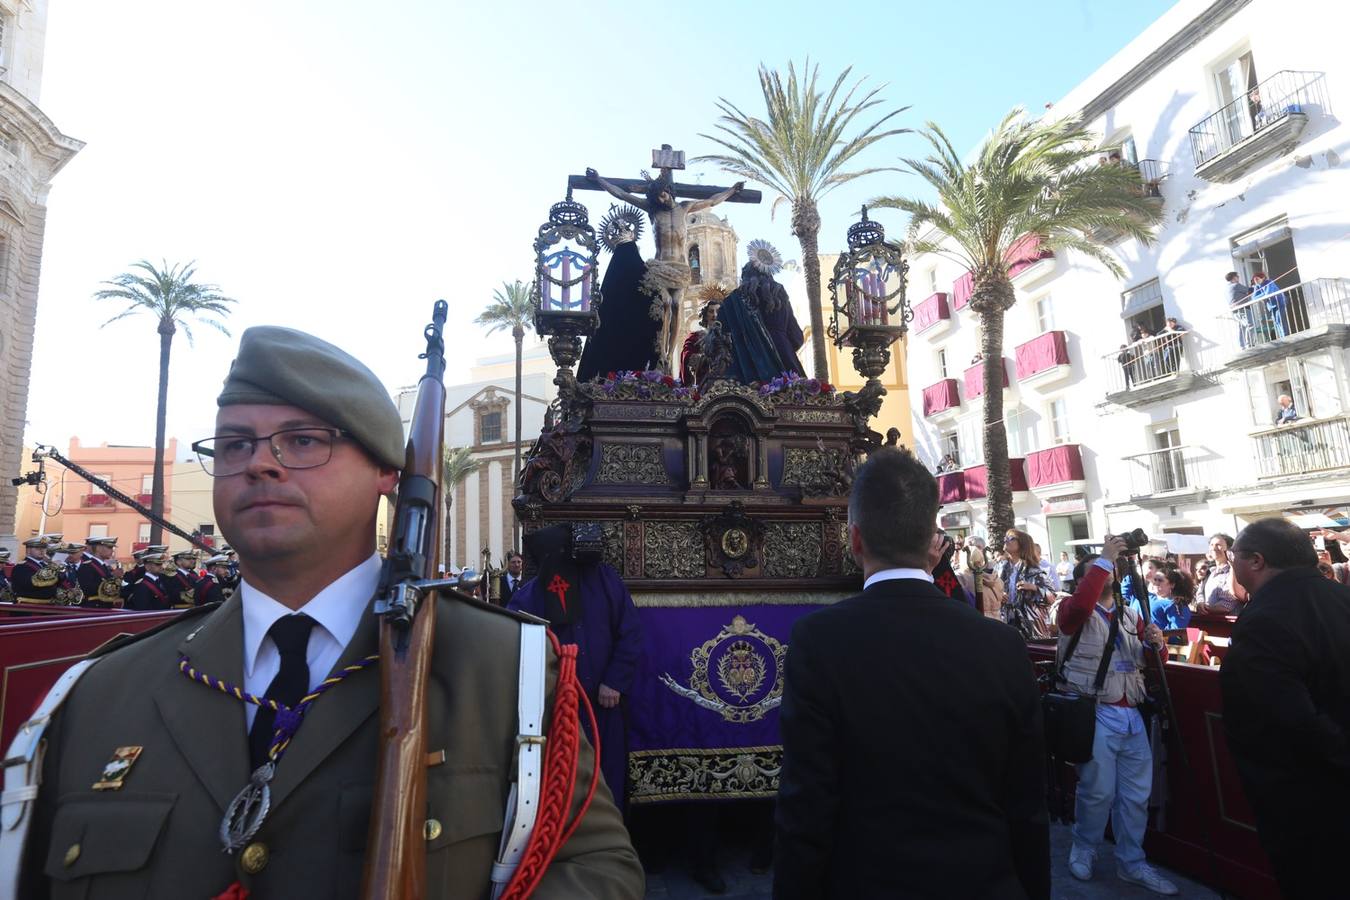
column 32, row 151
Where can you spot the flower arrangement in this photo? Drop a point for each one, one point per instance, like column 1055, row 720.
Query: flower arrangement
column 793, row 388
column 646, row 385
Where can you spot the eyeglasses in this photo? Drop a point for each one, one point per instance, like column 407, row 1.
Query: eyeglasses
column 1010, row 537
column 293, row 448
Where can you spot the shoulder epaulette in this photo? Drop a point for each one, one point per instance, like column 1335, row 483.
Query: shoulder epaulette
column 126, row 640
column 478, row 603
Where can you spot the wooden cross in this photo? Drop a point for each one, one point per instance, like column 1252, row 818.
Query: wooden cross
column 666, row 159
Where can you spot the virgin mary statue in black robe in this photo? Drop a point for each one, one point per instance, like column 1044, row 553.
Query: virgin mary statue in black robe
column 765, row 336
column 627, row 336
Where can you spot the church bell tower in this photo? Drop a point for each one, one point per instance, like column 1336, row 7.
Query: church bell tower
column 712, row 246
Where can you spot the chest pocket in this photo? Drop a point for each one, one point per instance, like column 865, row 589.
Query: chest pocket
column 95, row 835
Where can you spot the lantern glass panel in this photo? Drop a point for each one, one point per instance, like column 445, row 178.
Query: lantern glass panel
column 565, row 282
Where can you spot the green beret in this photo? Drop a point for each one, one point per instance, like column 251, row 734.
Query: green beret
column 285, row 367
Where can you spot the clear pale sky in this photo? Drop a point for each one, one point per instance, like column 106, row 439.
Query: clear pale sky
column 338, row 166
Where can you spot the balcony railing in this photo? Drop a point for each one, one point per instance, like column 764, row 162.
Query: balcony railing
column 1284, row 95
column 1170, row 471
column 1026, row 252
column 951, row 487
column 89, row 501
column 1284, row 312
column 1055, row 469
column 941, row 397
column 977, row 479
column 962, row 289
column 1146, row 361
column 1303, row 447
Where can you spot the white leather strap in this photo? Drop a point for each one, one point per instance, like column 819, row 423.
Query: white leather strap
column 23, row 775
column 522, row 806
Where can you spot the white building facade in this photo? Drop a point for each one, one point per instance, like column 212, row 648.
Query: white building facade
column 480, row 414
column 32, row 151
column 1229, row 112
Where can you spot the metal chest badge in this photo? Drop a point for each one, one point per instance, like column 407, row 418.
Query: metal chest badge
column 116, row 769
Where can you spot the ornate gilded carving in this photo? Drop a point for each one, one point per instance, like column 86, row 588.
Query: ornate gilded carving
column 613, row 536
column 558, row 462
column 733, row 541
column 639, row 411
column 668, row 775
column 818, row 471
column 791, row 549
column 832, row 547
column 814, row 416
column 632, row 549
column 631, row 464
column 672, row 550
column 719, row 389
column 737, row 673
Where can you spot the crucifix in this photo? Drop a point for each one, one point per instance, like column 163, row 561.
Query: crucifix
column 668, row 274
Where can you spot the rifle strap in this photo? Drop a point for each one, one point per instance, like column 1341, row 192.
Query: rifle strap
column 523, row 804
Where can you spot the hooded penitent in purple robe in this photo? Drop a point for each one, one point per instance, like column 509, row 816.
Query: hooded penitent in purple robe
column 604, row 626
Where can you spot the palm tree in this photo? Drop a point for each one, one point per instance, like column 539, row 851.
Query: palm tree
column 511, row 307
column 170, row 295
column 1029, row 178
column 457, row 463
column 800, row 152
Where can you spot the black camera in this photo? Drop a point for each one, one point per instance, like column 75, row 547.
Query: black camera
column 1135, row 540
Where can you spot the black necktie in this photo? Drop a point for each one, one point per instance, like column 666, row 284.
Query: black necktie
column 291, row 635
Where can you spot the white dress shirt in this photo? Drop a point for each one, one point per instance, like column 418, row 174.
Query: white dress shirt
column 336, row 611
column 892, row 574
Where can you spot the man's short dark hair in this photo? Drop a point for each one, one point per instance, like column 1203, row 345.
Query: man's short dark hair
column 1230, row 276
column 1280, row 542
column 1084, row 563
column 1227, row 539
column 894, row 503
column 512, row 554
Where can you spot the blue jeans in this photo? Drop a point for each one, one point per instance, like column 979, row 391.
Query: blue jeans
column 1116, row 783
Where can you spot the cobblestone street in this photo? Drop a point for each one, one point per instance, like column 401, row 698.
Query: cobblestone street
column 675, row 884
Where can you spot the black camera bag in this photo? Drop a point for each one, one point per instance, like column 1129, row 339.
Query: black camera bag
column 1071, row 718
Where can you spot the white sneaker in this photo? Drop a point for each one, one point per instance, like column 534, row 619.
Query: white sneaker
column 1146, row 876
column 1080, row 863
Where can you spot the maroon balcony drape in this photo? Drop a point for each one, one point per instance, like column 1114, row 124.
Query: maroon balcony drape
column 1055, row 465
column 931, row 311
column 940, row 396
column 1041, row 353
column 962, row 288
column 974, row 379
column 951, row 487
column 1024, row 254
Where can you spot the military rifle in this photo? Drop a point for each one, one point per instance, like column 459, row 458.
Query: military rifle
column 396, row 849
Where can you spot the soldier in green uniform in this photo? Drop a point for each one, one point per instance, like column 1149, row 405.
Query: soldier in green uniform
column 143, row 759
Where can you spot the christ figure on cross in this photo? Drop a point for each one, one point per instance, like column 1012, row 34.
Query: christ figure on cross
column 668, row 274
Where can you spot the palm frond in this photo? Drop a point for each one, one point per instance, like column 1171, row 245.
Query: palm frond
column 510, row 307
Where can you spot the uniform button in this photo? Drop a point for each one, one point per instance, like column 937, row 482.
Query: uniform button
column 432, row 829
column 72, row 854
column 254, row 858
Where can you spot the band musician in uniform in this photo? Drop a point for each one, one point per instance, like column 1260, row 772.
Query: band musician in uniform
column 210, row 587
column 36, row 577
column 154, row 591
column 307, row 442
column 100, row 576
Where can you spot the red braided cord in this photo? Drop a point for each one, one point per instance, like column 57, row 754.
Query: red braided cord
column 560, row 772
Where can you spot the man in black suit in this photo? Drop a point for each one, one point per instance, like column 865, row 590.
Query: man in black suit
column 1286, row 705
column 515, row 568
column 913, row 748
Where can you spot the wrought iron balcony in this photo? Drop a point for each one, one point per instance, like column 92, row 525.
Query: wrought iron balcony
column 977, row 480
column 1057, row 470
column 1165, row 474
column 1267, row 120
column 974, row 379
column 1155, row 368
column 1303, row 447
column 1286, row 320
column 91, row 501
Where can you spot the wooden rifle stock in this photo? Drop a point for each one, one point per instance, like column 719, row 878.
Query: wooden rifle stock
column 395, row 849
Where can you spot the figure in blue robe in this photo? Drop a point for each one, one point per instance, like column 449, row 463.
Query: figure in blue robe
column 764, row 334
column 590, row 606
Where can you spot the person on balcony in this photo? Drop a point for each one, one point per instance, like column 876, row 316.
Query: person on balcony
column 1238, row 295
column 1286, row 413
column 1126, row 360
column 1275, row 318
column 1172, row 336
